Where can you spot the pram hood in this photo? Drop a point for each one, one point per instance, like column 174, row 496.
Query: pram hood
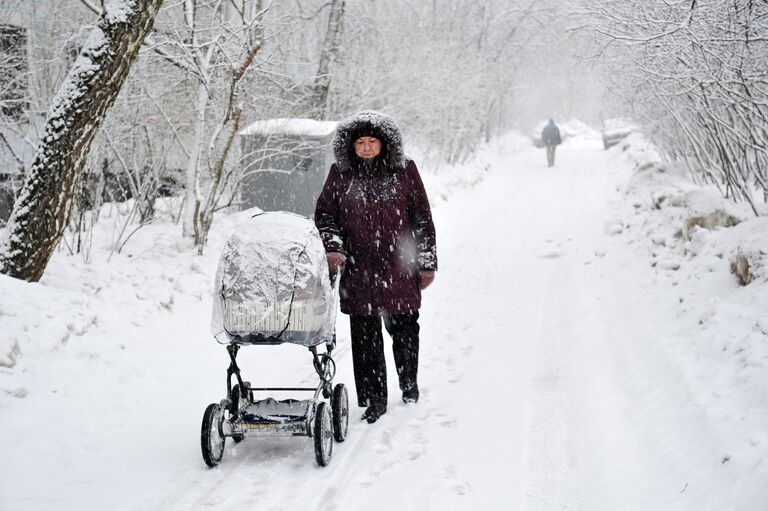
column 272, row 284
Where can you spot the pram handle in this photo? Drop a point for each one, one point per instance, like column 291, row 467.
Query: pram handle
column 335, row 276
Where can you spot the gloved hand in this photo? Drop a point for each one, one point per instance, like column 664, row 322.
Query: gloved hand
column 425, row 279
column 335, row 262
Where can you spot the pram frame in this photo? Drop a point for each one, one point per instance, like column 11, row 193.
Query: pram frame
column 237, row 427
column 324, row 365
column 239, row 416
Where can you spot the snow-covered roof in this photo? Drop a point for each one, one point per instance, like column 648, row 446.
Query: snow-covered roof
column 619, row 126
column 296, row 127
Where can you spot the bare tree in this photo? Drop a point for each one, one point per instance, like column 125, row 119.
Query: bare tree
column 699, row 75
column 328, row 53
column 42, row 210
column 219, row 168
column 213, row 48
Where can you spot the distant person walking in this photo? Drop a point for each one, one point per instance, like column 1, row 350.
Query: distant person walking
column 550, row 137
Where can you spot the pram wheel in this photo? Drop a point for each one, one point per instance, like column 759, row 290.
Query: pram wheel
column 340, row 405
column 323, row 433
column 211, row 438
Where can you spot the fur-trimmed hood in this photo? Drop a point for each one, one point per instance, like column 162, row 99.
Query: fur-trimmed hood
column 378, row 124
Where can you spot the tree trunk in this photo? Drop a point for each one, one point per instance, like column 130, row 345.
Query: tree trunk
column 231, row 121
column 192, row 191
column 330, row 46
column 42, row 210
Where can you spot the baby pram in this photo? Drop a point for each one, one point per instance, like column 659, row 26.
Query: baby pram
column 272, row 287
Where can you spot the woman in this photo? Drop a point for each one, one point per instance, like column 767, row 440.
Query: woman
column 374, row 218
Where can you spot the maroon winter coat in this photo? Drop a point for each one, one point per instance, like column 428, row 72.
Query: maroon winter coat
column 378, row 215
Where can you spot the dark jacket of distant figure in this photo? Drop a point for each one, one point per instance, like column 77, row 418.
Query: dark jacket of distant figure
column 550, row 135
column 376, row 213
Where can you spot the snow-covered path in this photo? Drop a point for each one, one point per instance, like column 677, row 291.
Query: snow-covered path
column 543, row 384
column 510, row 371
column 527, row 249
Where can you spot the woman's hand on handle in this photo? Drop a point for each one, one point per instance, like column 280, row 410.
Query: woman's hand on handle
column 425, row 279
column 336, row 260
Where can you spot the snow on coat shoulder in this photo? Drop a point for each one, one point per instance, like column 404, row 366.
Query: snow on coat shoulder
column 272, row 283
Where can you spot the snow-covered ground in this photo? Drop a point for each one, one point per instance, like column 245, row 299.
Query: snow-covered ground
column 577, row 353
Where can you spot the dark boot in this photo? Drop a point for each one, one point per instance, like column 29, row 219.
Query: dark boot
column 411, row 394
column 373, row 412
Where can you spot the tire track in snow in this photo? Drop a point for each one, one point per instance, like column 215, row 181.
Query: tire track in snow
column 552, row 463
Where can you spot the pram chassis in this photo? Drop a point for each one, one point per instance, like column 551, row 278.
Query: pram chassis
column 239, row 415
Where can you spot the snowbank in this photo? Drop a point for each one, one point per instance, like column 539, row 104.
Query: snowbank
column 666, row 188
column 749, row 260
column 694, row 239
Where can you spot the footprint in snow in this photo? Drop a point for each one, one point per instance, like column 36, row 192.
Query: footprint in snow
column 413, row 455
column 385, row 445
column 368, row 480
column 458, row 486
column 550, row 253
column 461, row 488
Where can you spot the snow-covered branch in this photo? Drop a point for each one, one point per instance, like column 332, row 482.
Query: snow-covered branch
column 703, row 75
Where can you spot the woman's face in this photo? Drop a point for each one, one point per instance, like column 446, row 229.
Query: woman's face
column 367, row 147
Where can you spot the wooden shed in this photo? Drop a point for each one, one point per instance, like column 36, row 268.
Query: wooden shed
column 285, row 163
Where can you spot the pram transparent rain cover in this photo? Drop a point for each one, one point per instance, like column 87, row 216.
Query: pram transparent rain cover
column 272, row 284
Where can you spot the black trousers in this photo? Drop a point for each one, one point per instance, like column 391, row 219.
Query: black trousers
column 368, row 354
